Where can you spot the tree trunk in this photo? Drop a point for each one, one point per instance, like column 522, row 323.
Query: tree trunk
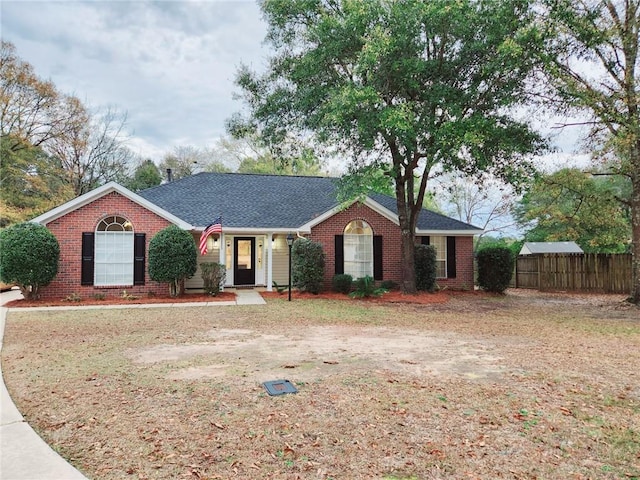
column 174, row 288
column 408, row 260
column 406, row 222
column 635, row 229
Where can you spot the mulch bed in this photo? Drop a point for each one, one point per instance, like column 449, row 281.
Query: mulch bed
column 395, row 296
column 146, row 299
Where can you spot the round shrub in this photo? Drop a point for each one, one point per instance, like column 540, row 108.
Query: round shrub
column 172, row 258
column 342, row 283
column 425, row 266
column 495, row 268
column 29, row 255
column 307, row 260
column 213, row 276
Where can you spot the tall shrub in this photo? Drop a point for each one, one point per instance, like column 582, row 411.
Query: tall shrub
column 495, row 268
column 29, row 255
column 425, row 265
column 308, row 265
column 172, row 258
column 213, row 275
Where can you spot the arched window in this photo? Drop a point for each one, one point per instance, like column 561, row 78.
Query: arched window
column 358, row 249
column 114, row 252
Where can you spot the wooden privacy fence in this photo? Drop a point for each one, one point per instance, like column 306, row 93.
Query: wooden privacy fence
column 593, row 272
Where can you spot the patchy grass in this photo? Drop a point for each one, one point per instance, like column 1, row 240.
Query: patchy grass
column 477, row 387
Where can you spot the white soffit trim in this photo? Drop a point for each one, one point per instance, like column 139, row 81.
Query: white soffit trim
column 100, row 192
column 258, row 231
column 450, row 233
column 373, row 205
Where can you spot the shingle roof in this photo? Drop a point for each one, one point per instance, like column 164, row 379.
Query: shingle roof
column 264, row 201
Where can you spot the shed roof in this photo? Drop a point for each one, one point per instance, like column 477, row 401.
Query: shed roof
column 550, row 247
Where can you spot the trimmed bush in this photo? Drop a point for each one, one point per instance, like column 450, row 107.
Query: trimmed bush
column 366, row 287
column 425, row 265
column 172, row 258
column 342, row 283
column 307, row 260
column 213, row 275
column 495, row 268
column 29, row 255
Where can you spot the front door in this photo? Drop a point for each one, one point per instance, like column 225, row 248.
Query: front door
column 244, row 270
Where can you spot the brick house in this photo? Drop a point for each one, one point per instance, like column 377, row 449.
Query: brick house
column 104, row 235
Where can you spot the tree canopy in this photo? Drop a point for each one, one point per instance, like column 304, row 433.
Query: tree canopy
column 412, row 86
column 592, row 65
column 573, row 205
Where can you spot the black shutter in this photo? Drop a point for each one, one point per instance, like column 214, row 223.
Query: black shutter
column 138, row 258
column 425, row 240
column 339, row 254
column 451, row 257
column 377, row 257
column 86, row 271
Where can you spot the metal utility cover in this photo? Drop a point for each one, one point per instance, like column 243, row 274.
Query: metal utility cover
column 279, row 387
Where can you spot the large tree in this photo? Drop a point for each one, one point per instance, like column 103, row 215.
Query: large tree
column 573, row 205
column 482, row 201
column 94, row 151
column 592, row 65
column 411, row 86
column 32, row 110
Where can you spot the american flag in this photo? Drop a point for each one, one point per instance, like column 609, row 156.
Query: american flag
column 215, row 227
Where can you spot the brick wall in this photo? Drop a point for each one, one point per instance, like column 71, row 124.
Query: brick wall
column 326, row 231
column 464, row 266
column 68, row 230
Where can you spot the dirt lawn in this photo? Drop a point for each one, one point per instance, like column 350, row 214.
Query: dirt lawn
column 527, row 385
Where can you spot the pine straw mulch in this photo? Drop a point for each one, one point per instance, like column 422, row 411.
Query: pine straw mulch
column 527, row 386
column 73, row 301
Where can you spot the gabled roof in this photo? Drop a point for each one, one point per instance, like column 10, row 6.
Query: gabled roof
column 273, row 202
column 99, row 192
column 532, row 248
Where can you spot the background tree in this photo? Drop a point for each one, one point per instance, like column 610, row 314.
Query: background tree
column 93, row 151
column 412, row 85
column 32, row 181
column 183, row 161
column 28, row 257
column 32, row 111
column 146, row 175
column 572, row 205
column 172, row 258
column 482, row 201
column 592, row 65
column 307, row 164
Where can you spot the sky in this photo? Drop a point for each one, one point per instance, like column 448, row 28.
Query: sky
column 170, row 65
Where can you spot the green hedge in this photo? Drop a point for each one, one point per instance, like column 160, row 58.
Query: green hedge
column 342, row 283
column 29, row 255
column 425, row 266
column 495, row 268
column 308, row 266
column 172, row 258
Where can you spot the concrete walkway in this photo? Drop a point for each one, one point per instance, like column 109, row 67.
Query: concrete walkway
column 23, row 454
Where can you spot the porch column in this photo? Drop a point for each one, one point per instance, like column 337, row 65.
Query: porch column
column 270, row 262
column 222, row 253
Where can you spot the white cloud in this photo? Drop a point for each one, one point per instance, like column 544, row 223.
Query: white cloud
column 169, row 64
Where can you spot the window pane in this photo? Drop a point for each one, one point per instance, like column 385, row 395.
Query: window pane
column 113, row 258
column 440, row 243
column 358, row 255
